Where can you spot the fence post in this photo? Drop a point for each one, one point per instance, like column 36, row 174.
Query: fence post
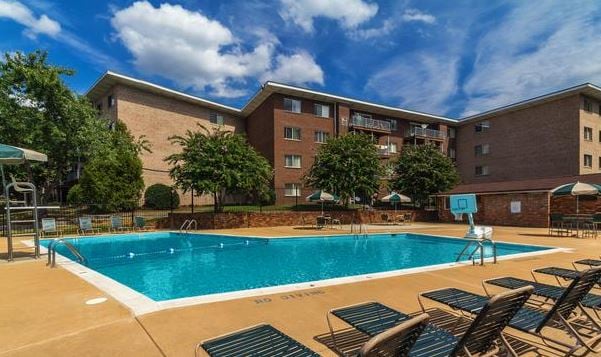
column 171, row 208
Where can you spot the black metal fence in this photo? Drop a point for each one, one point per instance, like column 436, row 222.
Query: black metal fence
column 66, row 218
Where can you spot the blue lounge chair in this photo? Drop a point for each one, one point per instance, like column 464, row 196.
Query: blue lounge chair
column 260, row 340
column 117, row 225
column 49, row 227
column 566, row 313
column 86, row 226
column 481, row 337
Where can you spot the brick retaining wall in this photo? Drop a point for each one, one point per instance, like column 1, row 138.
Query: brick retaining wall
column 207, row 220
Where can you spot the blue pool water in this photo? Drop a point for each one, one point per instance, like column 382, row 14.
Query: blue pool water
column 165, row 265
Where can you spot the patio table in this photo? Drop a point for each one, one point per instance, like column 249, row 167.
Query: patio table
column 579, row 220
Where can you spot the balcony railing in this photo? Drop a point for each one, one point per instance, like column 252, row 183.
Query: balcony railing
column 369, row 123
column 426, row 133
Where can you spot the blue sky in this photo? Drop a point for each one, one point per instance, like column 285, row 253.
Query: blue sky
column 452, row 58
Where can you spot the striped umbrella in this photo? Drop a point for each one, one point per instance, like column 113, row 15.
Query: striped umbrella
column 322, row 196
column 577, row 189
column 395, row 198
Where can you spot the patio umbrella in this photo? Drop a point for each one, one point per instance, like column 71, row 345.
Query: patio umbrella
column 12, row 155
column 322, row 196
column 577, row 189
column 395, row 198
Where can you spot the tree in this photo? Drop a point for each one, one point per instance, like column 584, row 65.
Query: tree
column 347, row 165
column 422, row 171
column 217, row 163
column 38, row 111
column 112, row 178
column 160, row 196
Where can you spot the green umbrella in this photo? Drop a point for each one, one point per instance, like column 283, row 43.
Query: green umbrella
column 577, row 189
column 395, row 198
column 322, row 196
column 12, row 155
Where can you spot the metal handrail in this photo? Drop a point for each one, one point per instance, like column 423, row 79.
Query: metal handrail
column 188, row 223
column 479, row 247
column 52, row 252
column 428, row 133
column 359, row 120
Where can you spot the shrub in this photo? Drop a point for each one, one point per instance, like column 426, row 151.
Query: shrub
column 158, row 196
column 75, row 195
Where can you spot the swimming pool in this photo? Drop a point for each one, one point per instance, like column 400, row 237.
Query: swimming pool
column 167, row 265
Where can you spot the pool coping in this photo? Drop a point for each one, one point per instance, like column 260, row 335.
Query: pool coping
column 140, row 304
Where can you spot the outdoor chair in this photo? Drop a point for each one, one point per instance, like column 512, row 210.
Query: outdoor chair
column 260, row 340
column 117, row 225
column 561, row 275
column 140, row 224
column 591, row 263
column 481, row 337
column 400, row 219
column 566, row 313
column 387, row 218
column 49, row 227
column 408, row 218
column 85, row 226
column 558, row 225
column 596, row 223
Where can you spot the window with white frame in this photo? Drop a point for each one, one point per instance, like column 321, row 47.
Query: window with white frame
column 292, row 161
column 392, row 148
column 482, row 149
column 292, row 133
column 321, row 110
column 588, row 134
column 110, row 101
column 452, row 133
column 292, row 190
column 452, row 153
column 588, row 160
column 321, row 136
column 482, row 126
column 394, row 124
column 588, row 105
column 481, row 170
column 292, row 105
column 216, row 118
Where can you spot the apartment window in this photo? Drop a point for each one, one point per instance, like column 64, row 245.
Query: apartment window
column 292, row 133
column 588, row 105
column 292, row 161
column 600, row 136
column 588, row 134
column 216, row 118
column 588, row 160
column 394, row 124
column 292, row 105
column 452, row 153
column 321, row 110
column 321, row 136
column 483, row 149
column 451, row 133
column 292, row 190
column 600, row 162
column 481, row 170
column 110, row 101
column 482, row 126
column 99, row 108
column 392, row 148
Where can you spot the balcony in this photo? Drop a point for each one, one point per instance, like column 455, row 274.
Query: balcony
column 364, row 122
column 383, row 150
column 426, row 133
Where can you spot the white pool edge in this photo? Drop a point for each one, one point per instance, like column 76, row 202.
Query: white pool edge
column 140, row 304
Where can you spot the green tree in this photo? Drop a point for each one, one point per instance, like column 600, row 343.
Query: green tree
column 38, row 111
column 160, row 196
column 217, row 163
column 112, row 178
column 422, row 171
column 346, row 165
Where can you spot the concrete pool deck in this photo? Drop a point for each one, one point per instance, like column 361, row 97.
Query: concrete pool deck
column 43, row 311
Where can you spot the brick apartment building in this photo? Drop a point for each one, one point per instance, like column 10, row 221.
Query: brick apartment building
column 553, row 136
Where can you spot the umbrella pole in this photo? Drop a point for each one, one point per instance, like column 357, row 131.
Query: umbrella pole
column 322, row 208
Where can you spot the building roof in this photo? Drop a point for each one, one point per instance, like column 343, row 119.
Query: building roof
column 587, row 89
column 532, row 185
column 273, row 87
column 109, row 79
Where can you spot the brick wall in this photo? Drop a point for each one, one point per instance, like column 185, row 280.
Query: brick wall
column 567, row 204
column 208, row 220
column 494, row 209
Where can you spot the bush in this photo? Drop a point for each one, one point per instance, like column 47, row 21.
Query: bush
column 75, row 195
column 158, row 196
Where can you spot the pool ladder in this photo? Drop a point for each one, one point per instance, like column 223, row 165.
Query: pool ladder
column 361, row 232
column 187, row 225
column 52, row 252
column 478, row 245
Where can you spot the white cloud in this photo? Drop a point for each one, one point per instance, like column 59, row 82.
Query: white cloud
column 20, row 13
column 537, row 48
column 299, row 68
column 419, row 81
column 349, row 13
column 387, row 27
column 415, row 15
column 196, row 52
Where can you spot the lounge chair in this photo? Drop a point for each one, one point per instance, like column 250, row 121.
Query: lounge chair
column 85, row 226
column 387, row 218
column 117, row 225
column 49, row 227
column 140, row 224
column 260, row 340
column 591, row 263
column 562, row 314
column 480, row 338
column 561, row 275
